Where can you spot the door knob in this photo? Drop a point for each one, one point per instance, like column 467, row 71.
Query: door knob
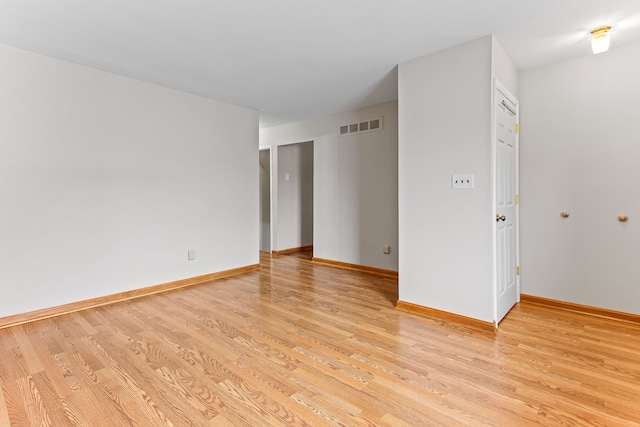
column 501, row 218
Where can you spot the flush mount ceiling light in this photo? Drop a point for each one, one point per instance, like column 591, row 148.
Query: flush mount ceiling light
column 600, row 39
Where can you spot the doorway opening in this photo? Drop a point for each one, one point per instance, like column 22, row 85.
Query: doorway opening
column 294, row 198
column 265, row 199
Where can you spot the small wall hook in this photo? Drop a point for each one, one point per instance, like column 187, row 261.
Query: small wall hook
column 564, row 214
column 623, row 218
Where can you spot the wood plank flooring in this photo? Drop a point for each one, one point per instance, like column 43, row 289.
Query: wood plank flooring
column 302, row 344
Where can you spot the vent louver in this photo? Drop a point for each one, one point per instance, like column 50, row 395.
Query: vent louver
column 370, row 125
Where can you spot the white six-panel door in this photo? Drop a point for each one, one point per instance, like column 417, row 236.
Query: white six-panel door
column 506, row 155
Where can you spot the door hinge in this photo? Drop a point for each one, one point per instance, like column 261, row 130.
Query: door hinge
column 517, row 199
column 517, row 270
column 517, row 127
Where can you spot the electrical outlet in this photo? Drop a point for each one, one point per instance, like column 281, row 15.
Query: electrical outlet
column 461, row 181
column 191, row 255
column 386, row 249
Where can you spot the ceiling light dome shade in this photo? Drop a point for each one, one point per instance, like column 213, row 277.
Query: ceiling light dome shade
column 600, row 39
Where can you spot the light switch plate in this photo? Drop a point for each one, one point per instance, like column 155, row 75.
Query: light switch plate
column 461, row 181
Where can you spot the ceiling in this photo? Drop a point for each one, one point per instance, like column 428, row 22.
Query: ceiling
column 296, row 59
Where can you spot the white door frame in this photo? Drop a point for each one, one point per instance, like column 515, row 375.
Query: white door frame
column 497, row 86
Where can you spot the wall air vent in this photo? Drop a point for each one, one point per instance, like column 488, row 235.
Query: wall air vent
column 361, row 127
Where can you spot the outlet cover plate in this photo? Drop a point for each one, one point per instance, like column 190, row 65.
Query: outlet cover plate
column 462, row 181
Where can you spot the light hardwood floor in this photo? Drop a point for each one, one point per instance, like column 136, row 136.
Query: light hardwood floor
column 304, row 344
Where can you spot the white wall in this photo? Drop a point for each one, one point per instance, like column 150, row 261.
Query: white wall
column 106, row 182
column 355, row 185
column 446, row 236
column 503, row 68
column 580, row 152
column 295, row 195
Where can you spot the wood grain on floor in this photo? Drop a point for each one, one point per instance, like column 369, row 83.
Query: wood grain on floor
column 304, row 344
